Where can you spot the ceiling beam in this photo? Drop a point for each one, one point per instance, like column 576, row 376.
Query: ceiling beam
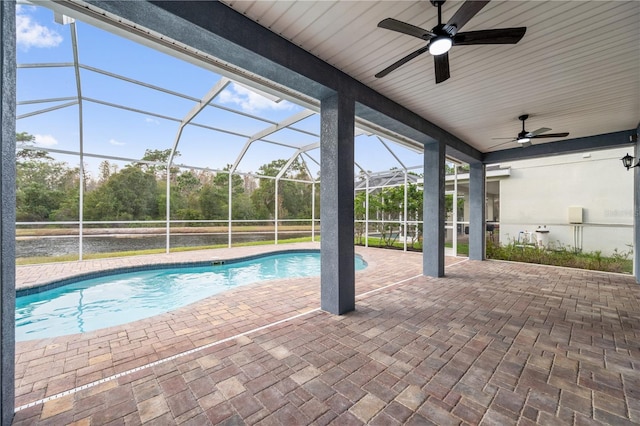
column 589, row 143
column 416, row 128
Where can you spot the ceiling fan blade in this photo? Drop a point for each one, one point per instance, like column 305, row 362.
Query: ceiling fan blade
column 495, row 36
column 441, row 63
column 511, row 140
column 524, row 144
column 404, row 28
column 401, row 62
column 552, row 135
column 539, row 131
column 464, row 13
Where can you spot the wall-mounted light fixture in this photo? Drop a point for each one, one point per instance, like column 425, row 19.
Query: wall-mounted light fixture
column 627, row 162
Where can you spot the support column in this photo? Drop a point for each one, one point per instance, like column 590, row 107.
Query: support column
column 434, row 210
column 477, row 226
column 636, row 212
column 8, row 209
column 337, row 120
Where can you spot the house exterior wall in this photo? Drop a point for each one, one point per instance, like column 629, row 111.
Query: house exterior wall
column 540, row 192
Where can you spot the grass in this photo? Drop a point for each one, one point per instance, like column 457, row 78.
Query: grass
column 463, row 248
column 379, row 242
column 89, row 256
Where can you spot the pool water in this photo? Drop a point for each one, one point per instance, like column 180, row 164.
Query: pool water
column 121, row 298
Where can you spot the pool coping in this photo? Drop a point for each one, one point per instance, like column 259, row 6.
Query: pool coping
column 53, row 284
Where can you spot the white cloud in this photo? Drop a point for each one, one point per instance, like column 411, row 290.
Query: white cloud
column 116, row 143
column 150, row 120
column 46, row 140
column 250, row 101
column 31, row 34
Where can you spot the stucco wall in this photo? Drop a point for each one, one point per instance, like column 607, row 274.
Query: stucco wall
column 540, row 192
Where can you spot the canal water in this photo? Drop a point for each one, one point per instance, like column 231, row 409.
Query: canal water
column 64, row 245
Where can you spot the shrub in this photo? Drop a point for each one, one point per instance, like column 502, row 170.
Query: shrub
column 562, row 256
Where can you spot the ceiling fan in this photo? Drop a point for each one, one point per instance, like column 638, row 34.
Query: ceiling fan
column 443, row 36
column 524, row 137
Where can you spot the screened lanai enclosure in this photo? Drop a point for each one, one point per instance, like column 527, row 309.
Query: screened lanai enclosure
column 130, row 145
column 125, row 147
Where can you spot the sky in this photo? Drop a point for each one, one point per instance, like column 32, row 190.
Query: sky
column 125, row 133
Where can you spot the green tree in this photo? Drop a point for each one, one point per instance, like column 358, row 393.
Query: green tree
column 28, row 152
column 185, row 196
column 188, row 182
column 155, row 161
column 360, row 214
column 390, row 205
column 214, row 202
column 214, row 198
column 294, row 198
column 46, row 189
column 386, row 206
column 263, row 198
column 105, row 170
column 242, row 207
column 130, row 194
column 415, row 207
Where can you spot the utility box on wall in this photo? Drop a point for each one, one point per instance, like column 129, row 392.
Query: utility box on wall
column 575, row 214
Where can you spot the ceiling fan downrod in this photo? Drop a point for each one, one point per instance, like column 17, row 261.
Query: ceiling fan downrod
column 522, row 136
column 438, row 4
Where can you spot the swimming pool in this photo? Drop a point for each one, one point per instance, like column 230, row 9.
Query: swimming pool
column 94, row 303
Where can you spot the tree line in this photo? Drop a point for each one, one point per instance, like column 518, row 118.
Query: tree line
column 49, row 190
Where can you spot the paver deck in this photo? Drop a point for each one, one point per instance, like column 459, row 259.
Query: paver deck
column 490, row 343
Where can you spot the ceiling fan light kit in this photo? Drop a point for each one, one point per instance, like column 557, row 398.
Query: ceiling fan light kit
column 440, row 45
column 444, row 36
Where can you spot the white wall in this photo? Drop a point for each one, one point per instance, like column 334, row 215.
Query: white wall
column 540, row 191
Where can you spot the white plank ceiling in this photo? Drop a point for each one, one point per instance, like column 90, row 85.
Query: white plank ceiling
column 576, row 70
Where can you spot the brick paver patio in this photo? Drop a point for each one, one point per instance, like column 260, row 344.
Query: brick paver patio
column 491, row 343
